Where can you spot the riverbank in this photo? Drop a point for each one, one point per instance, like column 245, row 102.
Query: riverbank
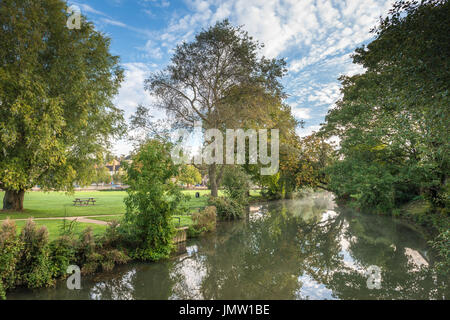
column 305, row 248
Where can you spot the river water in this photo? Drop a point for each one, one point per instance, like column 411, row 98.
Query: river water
column 291, row 249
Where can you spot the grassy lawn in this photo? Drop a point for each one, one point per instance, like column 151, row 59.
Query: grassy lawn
column 185, row 221
column 54, row 227
column 59, row 204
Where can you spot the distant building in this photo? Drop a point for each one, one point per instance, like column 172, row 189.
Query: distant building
column 115, row 165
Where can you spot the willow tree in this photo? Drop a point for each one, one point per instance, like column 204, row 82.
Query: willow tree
column 207, row 78
column 56, row 88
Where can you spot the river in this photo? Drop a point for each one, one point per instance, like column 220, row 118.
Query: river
column 292, row 249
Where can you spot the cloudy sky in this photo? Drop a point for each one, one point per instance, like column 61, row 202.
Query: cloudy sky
column 315, row 36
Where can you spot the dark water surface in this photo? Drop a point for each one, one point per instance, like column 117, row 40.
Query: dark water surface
column 292, row 249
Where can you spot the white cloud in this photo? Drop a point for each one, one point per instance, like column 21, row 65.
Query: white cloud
column 87, row 8
column 325, row 94
column 302, row 113
column 152, row 50
column 303, row 132
column 114, row 22
column 132, row 92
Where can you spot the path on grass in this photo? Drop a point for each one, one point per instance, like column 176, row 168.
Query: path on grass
column 86, row 219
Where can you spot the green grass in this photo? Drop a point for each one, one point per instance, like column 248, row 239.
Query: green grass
column 108, row 218
column 54, row 227
column 59, row 204
column 185, row 221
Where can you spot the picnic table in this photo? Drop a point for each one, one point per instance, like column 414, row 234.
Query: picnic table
column 84, row 201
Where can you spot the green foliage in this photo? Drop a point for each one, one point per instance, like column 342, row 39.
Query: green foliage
column 205, row 220
column 442, row 245
column 63, row 249
column 227, row 209
column 153, row 198
column 35, row 265
column 10, row 249
column 393, row 118
column 236, row 184
column 56, row 89
column 30, row 260
column 102, row 175
column 98, row 254
column 232, row 92
column 190, row 175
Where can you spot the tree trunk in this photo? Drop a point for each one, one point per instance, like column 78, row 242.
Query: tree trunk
column 13, row 200
column 213, row 180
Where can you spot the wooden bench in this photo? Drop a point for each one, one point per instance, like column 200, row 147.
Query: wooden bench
column 84, row 201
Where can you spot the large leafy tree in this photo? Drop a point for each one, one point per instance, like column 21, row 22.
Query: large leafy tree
column 218, row 79
column 393, row 119
column 56, row 90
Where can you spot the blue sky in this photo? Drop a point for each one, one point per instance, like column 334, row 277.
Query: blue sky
column 315, row 36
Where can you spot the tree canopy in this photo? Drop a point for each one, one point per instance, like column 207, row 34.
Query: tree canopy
column 56, row 90
column 219, row 80
column 393, row 119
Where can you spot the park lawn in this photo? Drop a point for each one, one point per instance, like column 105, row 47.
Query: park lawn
column 59, row 204
column 185, row 220
column 53, row 204
column 54, row 227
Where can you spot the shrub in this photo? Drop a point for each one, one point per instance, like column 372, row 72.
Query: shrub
column 205, row 220
column 62, row 254
column 35, row 265
column 236, row 184
column 152, row 199
column 442, row 245
column 63, row 250
column 10, row 249
column 99, row 255
column 227, row 208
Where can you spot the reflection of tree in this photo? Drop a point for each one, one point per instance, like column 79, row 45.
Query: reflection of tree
column 145, row 281
column 320, row 248
column 264, row 258
column 258, row 262
column 267, row 256
column 374, row 241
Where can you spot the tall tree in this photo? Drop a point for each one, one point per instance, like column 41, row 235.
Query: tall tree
column 393, row 119
column 210, row 80
column 56, row 88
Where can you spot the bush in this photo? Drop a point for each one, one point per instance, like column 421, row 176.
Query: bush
column 226, row 208
column 10, row 249
column 236, row 184
column 63, row 250
column 99, row 255
column 152, row 199
column 205, row 220
column 442, row 246
column 35, row 265
column 62, row 254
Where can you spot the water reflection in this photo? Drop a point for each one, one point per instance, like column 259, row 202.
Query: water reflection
column 294, row 249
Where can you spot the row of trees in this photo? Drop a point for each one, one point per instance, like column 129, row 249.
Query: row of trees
column 393, row 119
column 57, row 119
